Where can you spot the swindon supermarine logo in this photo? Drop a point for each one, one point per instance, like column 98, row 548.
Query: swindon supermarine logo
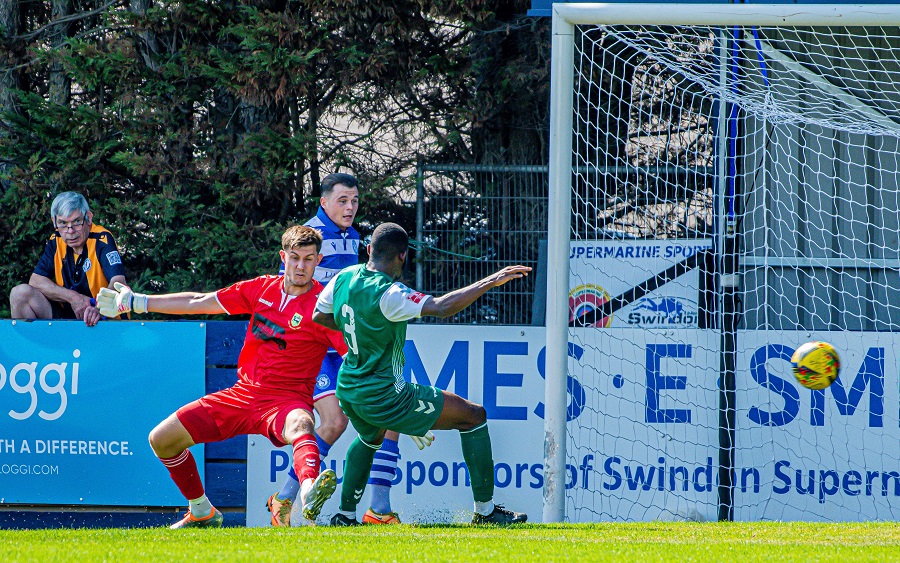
column 663, row 311
column 296, row 320
column 584, row 300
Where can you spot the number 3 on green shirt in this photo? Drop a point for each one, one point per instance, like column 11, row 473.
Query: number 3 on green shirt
column 350, row 328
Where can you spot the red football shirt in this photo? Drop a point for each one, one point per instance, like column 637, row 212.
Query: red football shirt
column 284, row 348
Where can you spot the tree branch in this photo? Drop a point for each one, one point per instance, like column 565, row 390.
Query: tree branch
column 67, row 19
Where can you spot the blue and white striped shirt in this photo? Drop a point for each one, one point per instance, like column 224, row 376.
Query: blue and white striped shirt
column 339, row 248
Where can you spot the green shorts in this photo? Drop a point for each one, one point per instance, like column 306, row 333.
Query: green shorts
column 413, row 411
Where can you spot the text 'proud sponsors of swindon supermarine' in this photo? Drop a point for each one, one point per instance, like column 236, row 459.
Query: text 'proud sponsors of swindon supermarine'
column 664, row 384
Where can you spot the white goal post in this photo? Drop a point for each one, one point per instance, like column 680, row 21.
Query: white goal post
column 799, row 126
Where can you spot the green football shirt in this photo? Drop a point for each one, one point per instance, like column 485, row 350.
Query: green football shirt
column 371, row 310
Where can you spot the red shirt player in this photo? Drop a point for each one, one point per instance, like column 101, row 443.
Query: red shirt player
column 277, row 370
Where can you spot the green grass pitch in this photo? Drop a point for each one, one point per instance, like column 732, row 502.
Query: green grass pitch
column 658, row 541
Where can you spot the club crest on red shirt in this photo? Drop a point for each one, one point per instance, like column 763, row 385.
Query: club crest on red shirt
column 296, row 319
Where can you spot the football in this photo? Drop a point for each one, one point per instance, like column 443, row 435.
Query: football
column 816, row 365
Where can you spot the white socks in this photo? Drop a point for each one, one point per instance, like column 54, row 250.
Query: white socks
column 200, row 507
column 484, row 508
column 305, row 486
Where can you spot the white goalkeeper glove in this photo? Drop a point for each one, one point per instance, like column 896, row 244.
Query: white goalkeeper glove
column 113, row 303
column 423, row 441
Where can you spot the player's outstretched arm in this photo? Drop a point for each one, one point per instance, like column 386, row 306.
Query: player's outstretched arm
column 114, row 302
column 456, row 301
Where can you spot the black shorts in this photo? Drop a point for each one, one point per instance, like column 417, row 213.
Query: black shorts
column 62, row 310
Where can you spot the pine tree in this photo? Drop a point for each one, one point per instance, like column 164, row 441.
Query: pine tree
column 199, row 130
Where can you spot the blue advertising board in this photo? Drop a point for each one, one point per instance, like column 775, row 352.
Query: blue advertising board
column 77, row 405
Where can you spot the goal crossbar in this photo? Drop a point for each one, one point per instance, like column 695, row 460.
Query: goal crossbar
column 843, row 15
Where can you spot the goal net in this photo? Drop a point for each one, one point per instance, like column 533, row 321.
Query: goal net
column 725, row 186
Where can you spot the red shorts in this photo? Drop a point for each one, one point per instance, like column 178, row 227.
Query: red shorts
column 240, row 410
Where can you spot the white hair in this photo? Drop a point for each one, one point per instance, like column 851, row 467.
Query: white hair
column 67, row 203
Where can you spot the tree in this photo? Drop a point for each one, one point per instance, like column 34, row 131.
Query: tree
column 9, row 27
column 199, row 130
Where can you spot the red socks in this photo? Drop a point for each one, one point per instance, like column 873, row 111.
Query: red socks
column 306, row 457
column 183, row 470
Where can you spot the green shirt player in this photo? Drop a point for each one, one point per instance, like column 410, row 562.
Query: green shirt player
column 371, row 309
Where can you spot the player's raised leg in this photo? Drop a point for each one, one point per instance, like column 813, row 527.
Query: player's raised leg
column 315, row 487
column 332, row 423
column 471, row 421
column 170, row 441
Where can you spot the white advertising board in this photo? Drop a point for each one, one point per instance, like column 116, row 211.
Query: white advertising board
column 494, row 366
column 600, row 270
column 645, row 444
column 644, row 428
column 823, row 455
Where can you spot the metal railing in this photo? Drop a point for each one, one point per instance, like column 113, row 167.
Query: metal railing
column 472, row 220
